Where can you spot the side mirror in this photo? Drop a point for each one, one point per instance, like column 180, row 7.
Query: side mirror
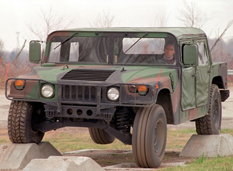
column 34, row 52
column 190, row 55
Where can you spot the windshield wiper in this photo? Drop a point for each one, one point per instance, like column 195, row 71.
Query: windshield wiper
column 66, row 40
column 135, row 42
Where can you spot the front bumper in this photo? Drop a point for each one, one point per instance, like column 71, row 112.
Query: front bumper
column 79, row 112
column 79, row 100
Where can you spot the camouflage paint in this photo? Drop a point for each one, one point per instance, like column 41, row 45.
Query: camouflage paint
column 170, row 76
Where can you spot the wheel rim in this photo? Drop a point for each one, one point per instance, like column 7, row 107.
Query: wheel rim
column 158, row 136
column 216, row 117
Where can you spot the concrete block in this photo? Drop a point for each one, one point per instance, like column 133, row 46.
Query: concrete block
column 63, row 163
column 17, row 156
column 209, row 146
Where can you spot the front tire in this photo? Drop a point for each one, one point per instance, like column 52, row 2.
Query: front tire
column 21, row 118
column 149, row 136
column 100, row 136
column 210, row 124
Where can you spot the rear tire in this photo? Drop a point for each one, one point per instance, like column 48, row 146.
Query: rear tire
column 100, row 136
column 149, row 136
column 20, row 123
column 210, row 124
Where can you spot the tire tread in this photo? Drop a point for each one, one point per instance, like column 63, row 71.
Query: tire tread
column 18, row 123
column 99, row 136
column 204, row 125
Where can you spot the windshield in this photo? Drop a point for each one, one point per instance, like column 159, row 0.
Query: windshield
column 114, row 48
column 79, row 49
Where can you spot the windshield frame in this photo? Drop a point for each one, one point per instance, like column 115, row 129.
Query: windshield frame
column 111, row 36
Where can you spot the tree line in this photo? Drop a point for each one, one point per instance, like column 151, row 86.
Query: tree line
column 191, row 16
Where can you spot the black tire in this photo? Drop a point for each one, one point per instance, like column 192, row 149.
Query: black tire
column 149, row 136
column 210, row 124
column 20, row 120
column 100, row 136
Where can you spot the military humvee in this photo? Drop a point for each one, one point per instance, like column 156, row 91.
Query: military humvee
column 116, row 82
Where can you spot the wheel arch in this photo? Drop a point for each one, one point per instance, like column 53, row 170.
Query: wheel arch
column 164, row 99
column 218, row 81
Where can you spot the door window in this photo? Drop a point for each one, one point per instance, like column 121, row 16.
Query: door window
column 202, row 57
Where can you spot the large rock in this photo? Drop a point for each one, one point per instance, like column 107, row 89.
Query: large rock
column 63, row 163
column 209, row 146
column 17, row 156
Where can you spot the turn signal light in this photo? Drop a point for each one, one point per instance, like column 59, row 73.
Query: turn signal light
column 142, row 90
column 19, row 84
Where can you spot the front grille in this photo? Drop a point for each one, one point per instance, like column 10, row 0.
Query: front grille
column 79, row 93
column 87, row 75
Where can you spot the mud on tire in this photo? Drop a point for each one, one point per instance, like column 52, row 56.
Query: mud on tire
column 211, row 123
column 99, row 136
column 20, row 121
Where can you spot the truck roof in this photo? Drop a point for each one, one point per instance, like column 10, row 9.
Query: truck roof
column 178, row 32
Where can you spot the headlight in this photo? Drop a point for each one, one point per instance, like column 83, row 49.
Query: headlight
column 141, row 89
column 113, row 94
column 132, row 88
column 47, row 91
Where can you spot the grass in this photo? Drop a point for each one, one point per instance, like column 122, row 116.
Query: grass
column 66, row 140
column 70, row 141
column 206, row 164
column 176, row 139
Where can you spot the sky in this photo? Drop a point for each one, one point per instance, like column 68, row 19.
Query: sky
column 16, row 16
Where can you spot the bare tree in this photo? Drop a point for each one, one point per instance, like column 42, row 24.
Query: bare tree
column 50, row 21
column 18, row 54
column 192, row 16
column 103, row 20
column 219, row 49
column 222, row 34
column 1, row 46
column 1, row 53
column 161, row 18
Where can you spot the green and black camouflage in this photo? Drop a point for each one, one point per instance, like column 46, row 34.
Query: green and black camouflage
column 81, row 65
